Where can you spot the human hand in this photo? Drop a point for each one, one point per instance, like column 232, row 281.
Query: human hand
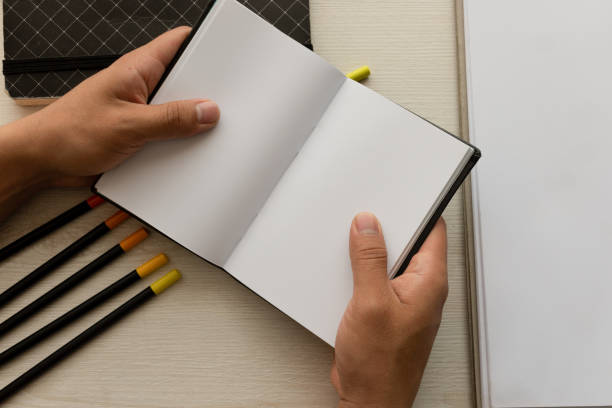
column 389, row 326
column 105, row 119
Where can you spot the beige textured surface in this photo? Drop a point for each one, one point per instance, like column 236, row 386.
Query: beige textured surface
column 208, row 341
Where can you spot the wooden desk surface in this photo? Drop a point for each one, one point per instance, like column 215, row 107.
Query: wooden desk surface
column 208, row 341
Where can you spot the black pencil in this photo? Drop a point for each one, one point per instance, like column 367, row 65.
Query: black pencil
column 73, row 280
column 155, row 289
column 63, row 256
column 50, row 226
column 143, row 270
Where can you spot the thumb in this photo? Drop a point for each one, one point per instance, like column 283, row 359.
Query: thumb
column 177, row 119
column 368, row 255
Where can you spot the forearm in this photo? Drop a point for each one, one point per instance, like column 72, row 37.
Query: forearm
column 97, row 125
column 22, row 172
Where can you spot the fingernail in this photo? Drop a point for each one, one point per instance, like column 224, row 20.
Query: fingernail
column 208, row 112
column 366, row 224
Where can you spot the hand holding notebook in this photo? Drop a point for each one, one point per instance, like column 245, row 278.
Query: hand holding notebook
column 270, row 192
column 389, row 326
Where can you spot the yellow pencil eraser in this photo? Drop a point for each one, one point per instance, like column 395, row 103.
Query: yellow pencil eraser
column 152, row 265
column 165, row 281
column 360, row 73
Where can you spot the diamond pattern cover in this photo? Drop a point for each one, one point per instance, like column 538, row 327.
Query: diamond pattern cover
column 36, row 29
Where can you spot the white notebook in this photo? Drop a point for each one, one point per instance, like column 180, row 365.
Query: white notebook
column 269, row 194
column 540, row 101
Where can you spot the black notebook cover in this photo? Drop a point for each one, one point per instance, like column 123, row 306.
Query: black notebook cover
column 52, row 45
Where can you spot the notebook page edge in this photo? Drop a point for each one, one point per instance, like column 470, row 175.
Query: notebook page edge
column 454, row 182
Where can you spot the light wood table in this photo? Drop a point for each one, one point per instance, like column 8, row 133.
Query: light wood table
column 208, row 341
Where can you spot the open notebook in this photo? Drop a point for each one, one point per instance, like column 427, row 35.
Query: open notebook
column 539, row 98
column 269, row 194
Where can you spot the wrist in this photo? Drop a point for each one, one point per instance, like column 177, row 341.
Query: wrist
column 21, row 160
column 349, row 404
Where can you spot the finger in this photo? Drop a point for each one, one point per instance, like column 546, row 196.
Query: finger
column 368, row 255
column 175, row 119
column 435, row 244
column 334, row 377
column 152, row 59
column 164, row 47
column 427, row 268
column 432, row 254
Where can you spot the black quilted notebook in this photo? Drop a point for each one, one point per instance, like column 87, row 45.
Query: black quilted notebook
column 52, row 45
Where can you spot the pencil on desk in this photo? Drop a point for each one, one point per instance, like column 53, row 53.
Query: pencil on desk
column 151, row 291
column 63, row 256
column 73, row 280
column 143, row 270
column 360, row 74
column 50, row 226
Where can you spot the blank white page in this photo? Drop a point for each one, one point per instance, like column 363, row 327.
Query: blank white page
column 204, row 191
column 366, row 154
column 540, row 102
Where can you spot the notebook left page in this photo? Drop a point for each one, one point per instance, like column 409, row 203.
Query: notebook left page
column 203, row 192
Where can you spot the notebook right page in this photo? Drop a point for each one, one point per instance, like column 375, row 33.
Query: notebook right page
column 540, row 97
column 366, row 154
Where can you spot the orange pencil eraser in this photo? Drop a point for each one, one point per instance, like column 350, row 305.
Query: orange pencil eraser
column 116, row 219
column 94, row 201
column 134, row 239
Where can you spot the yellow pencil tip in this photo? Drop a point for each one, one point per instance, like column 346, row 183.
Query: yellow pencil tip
column 165, row 281
column 360, row 73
